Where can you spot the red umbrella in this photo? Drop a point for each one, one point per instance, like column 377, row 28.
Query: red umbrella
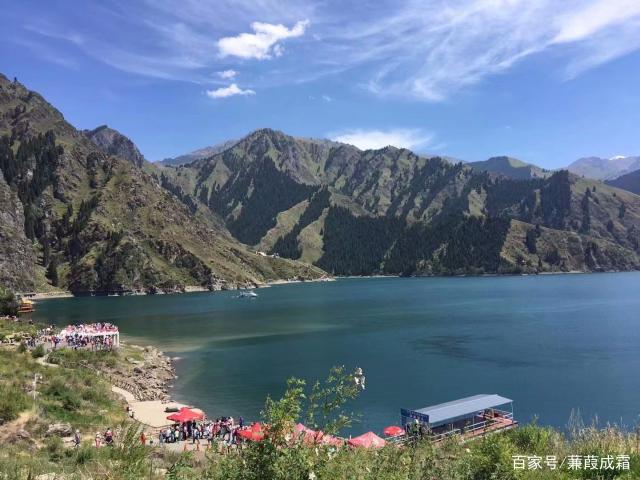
column 331, row 440
column 185, row 415
column 253, row 433
column 393, row 431
column 307, row 435
column 315, row 437
column 367, row 440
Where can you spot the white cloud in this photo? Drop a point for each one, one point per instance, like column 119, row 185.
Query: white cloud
column 594, row 17
column 262, row 44
column 227, row 74
column 327, row 98
column 375, row 139
column 431, row 49
column 230, row 91
column 424, row 49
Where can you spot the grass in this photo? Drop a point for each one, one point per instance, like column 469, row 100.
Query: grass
column 21, row 328
column 74, row 392
column 78, row 395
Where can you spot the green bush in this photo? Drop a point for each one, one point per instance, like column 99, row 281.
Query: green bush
column 38, row 352
column 54, row 448
column 8, row 303
column 84, row 455
column 65, row 393
column 22, row 347
column 13, row 400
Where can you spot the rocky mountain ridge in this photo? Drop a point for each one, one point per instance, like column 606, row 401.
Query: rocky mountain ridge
column 629, row 181
column 113, row 142
column 511, row 168
column 392, row 211
column 102, row 223
column 599, row 168
column 198, row 154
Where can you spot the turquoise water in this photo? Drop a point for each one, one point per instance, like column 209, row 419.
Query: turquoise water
column 551, row 343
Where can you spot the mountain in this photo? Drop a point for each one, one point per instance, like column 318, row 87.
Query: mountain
column 197, row 154
column 94, row 221
column 629, row 182
column 17, row 255
column 604, row 168
column 82, row 218
column 355, row 212
column 510, row 168
column 113, row 142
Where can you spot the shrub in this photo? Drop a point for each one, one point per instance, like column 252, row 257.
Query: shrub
column 8, row 303
column 54, row 448
column 68, row 396
column 13, row 400
column 38, row 352
column 84, row 455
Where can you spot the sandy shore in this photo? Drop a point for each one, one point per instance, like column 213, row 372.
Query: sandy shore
column 144, row 388
column 287, row 282
column 151, row 413
column 47, row 295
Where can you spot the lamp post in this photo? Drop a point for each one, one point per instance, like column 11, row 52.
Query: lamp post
column 36, row 377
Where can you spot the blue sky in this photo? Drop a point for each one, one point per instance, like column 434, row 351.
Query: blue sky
column 546, row 81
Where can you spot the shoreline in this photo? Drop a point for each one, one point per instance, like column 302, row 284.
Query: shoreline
column 145, row 388
column 39, row 296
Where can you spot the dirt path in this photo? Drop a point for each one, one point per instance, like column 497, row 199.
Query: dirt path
column 128, row 396
column 10, row 429
column 45, row 361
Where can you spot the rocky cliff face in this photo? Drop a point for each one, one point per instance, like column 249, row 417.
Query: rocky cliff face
column 113, row 142
column 104, row 223
column 17, row 255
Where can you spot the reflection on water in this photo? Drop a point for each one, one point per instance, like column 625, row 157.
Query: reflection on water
column 552, row 343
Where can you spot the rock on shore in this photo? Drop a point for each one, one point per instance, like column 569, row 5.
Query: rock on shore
column 145, row 379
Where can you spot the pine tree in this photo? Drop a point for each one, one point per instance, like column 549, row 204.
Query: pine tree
column 52, row 272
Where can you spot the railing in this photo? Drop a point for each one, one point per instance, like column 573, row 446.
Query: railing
column 474, row 428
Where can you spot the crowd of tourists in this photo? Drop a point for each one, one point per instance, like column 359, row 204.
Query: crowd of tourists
column 223, row 429
column 93, row 336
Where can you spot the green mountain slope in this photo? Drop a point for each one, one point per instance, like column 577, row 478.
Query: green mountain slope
column 629, row 182
column 98, row 222
column 392, row 211
column 510, row 168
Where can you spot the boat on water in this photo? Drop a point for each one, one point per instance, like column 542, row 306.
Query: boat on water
column 247, row 294
column 25, row 306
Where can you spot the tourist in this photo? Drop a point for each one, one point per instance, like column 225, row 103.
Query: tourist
column 108, row 437
column 98, row 439
column 76, row 439
column 143, row 438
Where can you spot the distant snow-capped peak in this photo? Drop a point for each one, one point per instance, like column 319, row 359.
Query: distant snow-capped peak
column 618, row 157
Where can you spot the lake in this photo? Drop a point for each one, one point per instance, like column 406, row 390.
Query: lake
column 552, row 343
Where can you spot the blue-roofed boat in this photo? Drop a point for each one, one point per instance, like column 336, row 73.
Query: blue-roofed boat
column 469, row 417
